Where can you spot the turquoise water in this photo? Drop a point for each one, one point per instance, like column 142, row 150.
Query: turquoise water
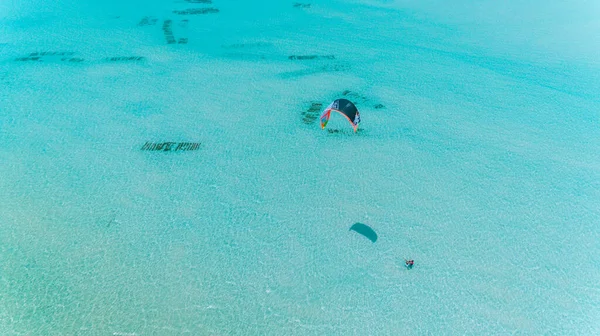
column 477, row 157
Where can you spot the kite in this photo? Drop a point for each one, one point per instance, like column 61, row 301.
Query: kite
column 343, row 107
column 364, row 230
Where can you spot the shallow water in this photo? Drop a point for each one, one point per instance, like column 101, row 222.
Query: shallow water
column 477, row 157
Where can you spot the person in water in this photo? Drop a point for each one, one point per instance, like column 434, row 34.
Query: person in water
column 409, row 263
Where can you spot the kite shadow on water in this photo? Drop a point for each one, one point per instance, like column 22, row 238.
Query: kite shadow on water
column 364, row 230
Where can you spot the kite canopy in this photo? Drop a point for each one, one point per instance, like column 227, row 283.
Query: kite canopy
column 343, row 107
column 364, row 230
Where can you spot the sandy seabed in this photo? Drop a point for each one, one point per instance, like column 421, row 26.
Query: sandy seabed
column 477, row 157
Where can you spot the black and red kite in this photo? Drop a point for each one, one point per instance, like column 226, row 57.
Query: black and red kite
column 343, row 107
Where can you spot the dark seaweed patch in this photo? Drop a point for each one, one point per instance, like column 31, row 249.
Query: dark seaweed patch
column 379, row 106
column 148, row 21
column 168, row 31
column 196, row 11
column 301, row 5
column 310, row 57
column 312, row 113
column 26, row 59
column 199, row 1
column 170, row 146
column 125, row 59
column 52, row 55
column 348, row 131
column 72, row 59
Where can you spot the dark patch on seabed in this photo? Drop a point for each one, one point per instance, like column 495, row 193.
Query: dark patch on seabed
column 318, row 64
column 62, row 56
column 53, row 53
column 67, row 56
column 148, row 21
column 25, row 59
column 167, row 29
column 350, row 131
column 125, row 59
column 170, row 146
column 199, row 1
column 310, row 115
column 301, row 5
column 196, row 11
column 310, row 57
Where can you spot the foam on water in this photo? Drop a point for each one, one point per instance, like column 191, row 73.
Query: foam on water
column 477, row 157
